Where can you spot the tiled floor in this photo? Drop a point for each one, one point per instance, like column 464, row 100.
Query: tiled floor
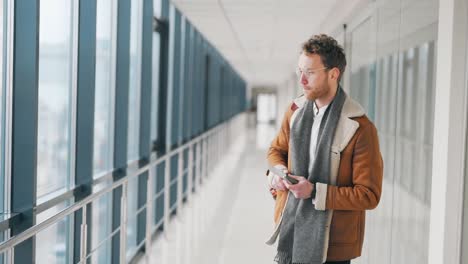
column 229, row 219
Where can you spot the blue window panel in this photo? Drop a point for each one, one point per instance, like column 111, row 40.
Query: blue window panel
column 201, row 88
column 159, row 209
column 211, row 92
column 194, row 171
column 196, row 78
column 173, row 180
column 141, row 218
column 206, row 89
column 175, row 129
column 222, row 77
column 173, row 195
column 186, row 160
column 160, row 170
column 174, row 166
column 155, row 135
column 188, row 84
column 196, row 82
column 184, row 183
column 134, row 92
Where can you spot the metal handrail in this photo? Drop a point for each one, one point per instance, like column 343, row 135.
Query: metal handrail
column 32, row 231
column 109, row 176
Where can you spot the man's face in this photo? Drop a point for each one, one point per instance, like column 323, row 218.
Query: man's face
column 313, row 76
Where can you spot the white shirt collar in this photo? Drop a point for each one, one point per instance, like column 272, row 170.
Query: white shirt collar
column 320, row 111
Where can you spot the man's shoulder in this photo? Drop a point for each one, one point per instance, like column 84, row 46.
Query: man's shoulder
column 356, row 112
column 297, row 103
column 363, row 121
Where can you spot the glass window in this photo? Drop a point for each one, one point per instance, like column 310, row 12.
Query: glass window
column 188, row 84
column 158, row 198
column 134, row 122
column 464, row 253
column 464, row 240
column 157, row 8
column 103, row 128
column 105, row 72
column 132, row 208
column 135, row 80
column 176, row 78
column 362, row 65
column 155, row 85
column 101, row 239
column 53, row 243
column 55, row 84
column 3, row 70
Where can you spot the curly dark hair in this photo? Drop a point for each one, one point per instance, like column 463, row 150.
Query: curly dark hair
column 331, row 53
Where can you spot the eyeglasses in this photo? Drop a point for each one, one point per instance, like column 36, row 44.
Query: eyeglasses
column 308, row 73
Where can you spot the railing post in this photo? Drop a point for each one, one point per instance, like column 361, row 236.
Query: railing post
column 123, row 224
column 180, row 178
column 167, row 189
column 198, row 165
column 205, row 157
column 190, row 172
column 149, row 214
column 84, row 234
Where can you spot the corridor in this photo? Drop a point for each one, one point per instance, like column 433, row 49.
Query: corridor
column 213, row 224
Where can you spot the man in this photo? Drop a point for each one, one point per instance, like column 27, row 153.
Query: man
column 327, row 143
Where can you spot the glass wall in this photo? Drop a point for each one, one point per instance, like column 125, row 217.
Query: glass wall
column 155, row 95
column 362, row 65
column 60, row 34
column 105, row 85
column 53, row 245
column 55, row 97
column 101, row 222
column 464, row 239
column 135, row 80
column 102, row 233
column 392, row 74
column 464, row 243
column 3, row 72
column 54, row 171
column 134, row 121
column 159, row 83
column 176, row 79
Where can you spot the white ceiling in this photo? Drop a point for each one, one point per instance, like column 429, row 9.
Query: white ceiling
column 261, row 38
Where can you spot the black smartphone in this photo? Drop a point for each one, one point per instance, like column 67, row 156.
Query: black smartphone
column 283, row 175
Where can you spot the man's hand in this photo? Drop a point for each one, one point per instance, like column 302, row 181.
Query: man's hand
column 301, row 190
column 277, row 182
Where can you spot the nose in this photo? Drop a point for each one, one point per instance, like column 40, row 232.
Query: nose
column 303, row 79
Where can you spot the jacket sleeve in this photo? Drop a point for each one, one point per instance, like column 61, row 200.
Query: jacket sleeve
column 367, row 176
column 278, row 152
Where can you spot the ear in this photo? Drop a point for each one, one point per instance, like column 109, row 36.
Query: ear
column 334, row 74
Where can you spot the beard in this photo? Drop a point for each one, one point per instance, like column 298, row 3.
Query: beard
column 311, row 96
column 313, row 93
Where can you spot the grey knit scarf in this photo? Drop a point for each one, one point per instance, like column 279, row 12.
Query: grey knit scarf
column 302, row 231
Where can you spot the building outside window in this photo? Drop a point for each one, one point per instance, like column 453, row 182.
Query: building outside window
column 57, row 46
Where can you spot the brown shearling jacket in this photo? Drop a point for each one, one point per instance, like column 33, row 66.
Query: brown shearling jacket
column 355, row 180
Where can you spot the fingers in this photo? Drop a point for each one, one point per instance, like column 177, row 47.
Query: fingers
column 286, row 184
column 299, row 178
column 278, row 183
column 281, row 185
column 301, row 190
